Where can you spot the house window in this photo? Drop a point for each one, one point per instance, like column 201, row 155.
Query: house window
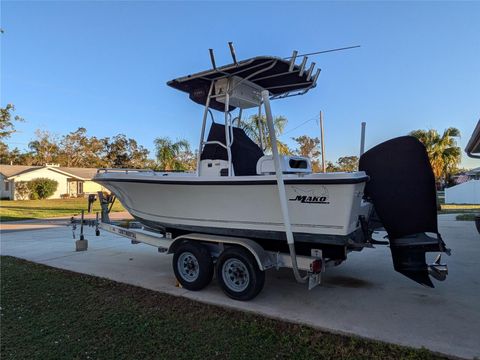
column 7, row 185
column 80, row 187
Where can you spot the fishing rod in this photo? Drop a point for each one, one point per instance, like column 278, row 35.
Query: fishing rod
column 325, row 51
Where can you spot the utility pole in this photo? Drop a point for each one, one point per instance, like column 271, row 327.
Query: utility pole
column 322, row 142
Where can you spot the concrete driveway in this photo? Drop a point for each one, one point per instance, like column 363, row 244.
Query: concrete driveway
column 364, row 296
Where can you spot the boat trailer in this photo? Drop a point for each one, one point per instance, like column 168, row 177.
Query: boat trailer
column 258, row 258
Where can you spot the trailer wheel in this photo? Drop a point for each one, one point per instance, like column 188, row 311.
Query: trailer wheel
column 238, row 274
column 193, row 266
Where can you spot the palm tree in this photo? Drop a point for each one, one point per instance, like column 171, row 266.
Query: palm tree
column 443, row 152
column 170, row 155
column 252, row 127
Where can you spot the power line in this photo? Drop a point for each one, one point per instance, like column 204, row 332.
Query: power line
column 300, row 125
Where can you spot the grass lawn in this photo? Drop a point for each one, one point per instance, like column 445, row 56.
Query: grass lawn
column 458, row 208
column 454, row 208
column 465, row 217
column 50, row 314
column 11, row 210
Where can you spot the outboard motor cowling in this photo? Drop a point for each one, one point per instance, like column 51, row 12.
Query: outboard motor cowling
column 402, row 190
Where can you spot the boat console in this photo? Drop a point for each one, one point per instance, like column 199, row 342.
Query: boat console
column 289, row 164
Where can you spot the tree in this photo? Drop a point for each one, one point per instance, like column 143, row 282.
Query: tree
column 15, row 156
column 172, row 155
column 188, row 159
column 256, row 125
column 348, row 163
column 45, row 148
column 79, row 150
column 331, row 167
column 344, row 163
column 125, row 153
column 4, row 153
column 443, row 152
column 7, row 127
column 309, row 148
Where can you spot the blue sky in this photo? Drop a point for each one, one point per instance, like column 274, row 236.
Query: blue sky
column 104, row 65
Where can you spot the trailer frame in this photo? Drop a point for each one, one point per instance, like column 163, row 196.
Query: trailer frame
column 265, row 259
column 313, row 265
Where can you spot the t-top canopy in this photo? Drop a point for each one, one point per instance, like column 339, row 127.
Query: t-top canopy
column 279, row 76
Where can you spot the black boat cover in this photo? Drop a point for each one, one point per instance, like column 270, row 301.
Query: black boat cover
column 402, row 190
column 245, row 153
column 401, row 186
column 275, row 78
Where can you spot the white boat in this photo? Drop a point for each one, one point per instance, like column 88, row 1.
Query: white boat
column 277, row 201
column 324, row 206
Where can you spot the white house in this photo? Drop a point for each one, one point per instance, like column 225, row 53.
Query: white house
column 469, row 191
column 465, row 193
column 72, row 182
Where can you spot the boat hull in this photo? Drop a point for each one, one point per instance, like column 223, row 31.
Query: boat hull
column 322, row 210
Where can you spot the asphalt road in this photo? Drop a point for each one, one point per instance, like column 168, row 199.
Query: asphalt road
column 364, row 296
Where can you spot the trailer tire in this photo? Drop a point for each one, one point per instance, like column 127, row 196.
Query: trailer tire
column 193, row 265
column 238, row 274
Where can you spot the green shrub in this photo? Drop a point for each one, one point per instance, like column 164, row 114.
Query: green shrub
column 42, row 188
column 465, row 217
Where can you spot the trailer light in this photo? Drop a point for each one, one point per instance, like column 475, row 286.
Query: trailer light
column 316, row 266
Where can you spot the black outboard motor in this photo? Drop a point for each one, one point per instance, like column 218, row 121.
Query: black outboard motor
column 402, row 190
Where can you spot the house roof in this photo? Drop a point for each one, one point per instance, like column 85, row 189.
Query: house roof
column 79, row 173
column 14, row 170
column 83, row 173
column 473, row 147
column 473, row 172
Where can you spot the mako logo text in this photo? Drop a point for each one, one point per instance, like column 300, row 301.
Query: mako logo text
column 317, row 196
